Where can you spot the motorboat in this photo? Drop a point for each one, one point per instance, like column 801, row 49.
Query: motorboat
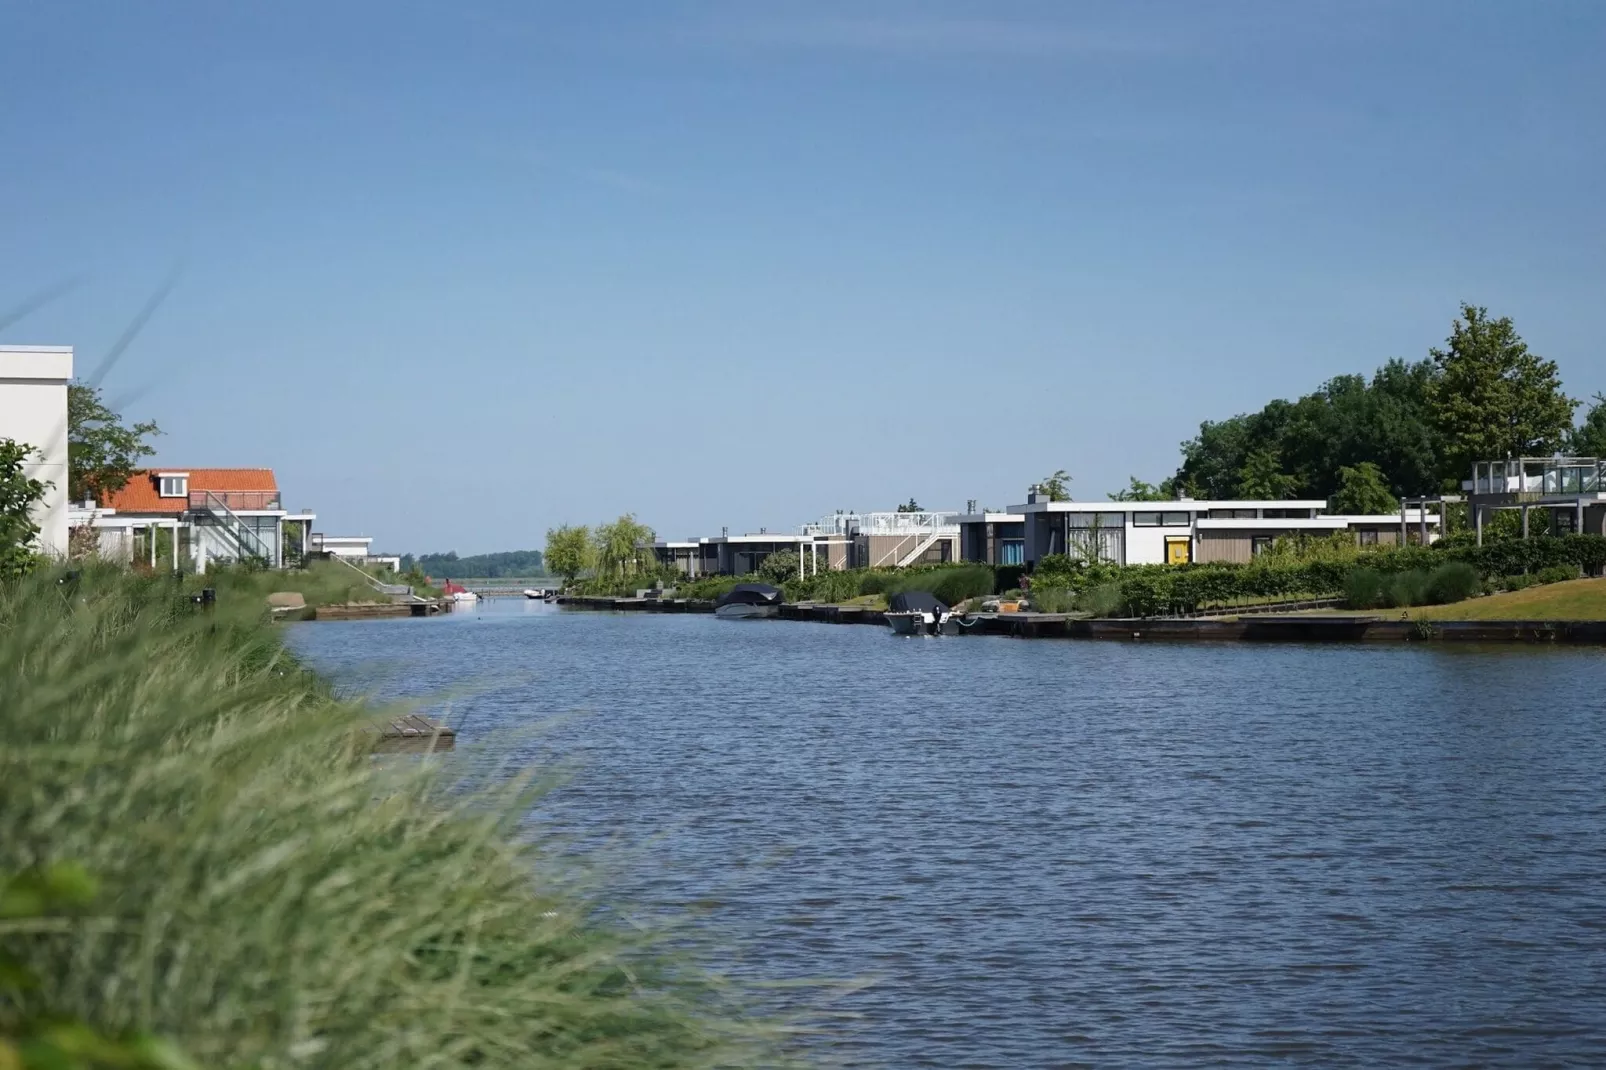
column 916, row 613
column 747, row 601
column 531, row 592
column 459, row 595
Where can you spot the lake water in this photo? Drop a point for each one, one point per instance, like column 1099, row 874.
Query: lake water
column 1056, row 853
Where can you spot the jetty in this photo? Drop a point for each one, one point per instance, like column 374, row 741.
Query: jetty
column 1249, row 627
column 413, row 733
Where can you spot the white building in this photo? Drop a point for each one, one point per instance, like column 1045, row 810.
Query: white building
column 33, row 411
column 1188, row 530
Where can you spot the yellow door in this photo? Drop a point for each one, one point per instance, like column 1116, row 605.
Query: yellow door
column 1177, row 551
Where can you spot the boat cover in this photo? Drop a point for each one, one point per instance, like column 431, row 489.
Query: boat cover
column 915, row 602
column 749, row 594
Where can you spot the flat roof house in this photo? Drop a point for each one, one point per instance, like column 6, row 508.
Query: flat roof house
column 1569, row 492
column 33, row 412
column 993, row 538
column 1183, row 531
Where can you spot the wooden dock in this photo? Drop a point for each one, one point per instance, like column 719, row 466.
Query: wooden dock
column 1247, row 627
column 413, row 733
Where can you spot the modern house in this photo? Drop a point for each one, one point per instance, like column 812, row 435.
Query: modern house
column 1187, row 530
column 214, row 514
column 33, row 412
column 838, row 541
column 353, row 549
column 993, row 538
column 1569, row 493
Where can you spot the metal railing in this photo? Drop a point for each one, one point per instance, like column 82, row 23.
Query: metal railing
column 235, row 499
column 1539, row 476
column 247, row 541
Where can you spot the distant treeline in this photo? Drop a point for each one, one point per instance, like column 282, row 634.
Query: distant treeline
column 449, row 566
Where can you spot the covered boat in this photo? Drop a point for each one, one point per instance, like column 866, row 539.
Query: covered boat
column 747, row 600
column 916, row 613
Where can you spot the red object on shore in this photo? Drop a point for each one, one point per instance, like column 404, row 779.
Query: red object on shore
column 453, row 588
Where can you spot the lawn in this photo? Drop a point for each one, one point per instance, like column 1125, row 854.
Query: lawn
column 1572, row 600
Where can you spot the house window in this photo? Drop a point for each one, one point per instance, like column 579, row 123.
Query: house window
column 1259, row 544
column 1287, row 514
column 173, row 486
column 1368, row 536
column 1232, row 514
column 1012, row 552
column 1156, row 520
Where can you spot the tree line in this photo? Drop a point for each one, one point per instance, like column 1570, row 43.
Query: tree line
column 1412, row 428
column 448, row 566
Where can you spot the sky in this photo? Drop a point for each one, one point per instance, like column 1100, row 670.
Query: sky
column 463, row 271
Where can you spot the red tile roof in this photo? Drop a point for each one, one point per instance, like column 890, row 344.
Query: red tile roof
column 140, row 496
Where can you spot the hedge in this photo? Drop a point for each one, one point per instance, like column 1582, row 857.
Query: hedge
column 1149, row 590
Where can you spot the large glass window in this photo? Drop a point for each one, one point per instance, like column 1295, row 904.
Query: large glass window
column 1012, row 552
column 1231, row 514
column 1157, row 520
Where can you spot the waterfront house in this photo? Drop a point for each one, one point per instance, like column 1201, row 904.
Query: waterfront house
column 214, row 514
column 993, row 538
column 33, row 412
column 1188, row 530
column 352, row 549
column 1569, row 493
column 886, row 539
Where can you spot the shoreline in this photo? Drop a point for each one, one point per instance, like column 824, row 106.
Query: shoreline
column 1357, row 628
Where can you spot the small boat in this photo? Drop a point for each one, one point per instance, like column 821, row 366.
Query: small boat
column 746, row 601
column 916, row 613
column 460, row 595
column 531, row 592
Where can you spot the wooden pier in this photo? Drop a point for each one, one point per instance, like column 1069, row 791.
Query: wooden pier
column 1266, row 627
column 413, row 733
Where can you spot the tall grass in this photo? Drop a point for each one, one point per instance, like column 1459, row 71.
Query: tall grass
column 271, row 895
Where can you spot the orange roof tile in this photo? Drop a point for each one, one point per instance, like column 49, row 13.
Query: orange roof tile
column 140, row 496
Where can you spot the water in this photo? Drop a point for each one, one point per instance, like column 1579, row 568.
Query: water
column 1053, row 853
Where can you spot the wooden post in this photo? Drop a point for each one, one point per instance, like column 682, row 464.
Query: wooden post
column 1477, row 522
column 1525, row 521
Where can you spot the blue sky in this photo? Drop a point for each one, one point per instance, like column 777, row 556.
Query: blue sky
column 462, row 271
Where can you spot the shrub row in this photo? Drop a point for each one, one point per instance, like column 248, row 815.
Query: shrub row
column 1149, row 590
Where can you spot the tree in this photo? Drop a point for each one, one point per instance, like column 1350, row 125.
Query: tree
column 101, row 453
column 1139, row 491
column 569, row 551
column 19, row 493
column 1057, row 487
column 781, row 565
column 1588, row 439
column 1494, row 398
column 911, row 506
column 1362, row 491
column 622, row 547
column 1262, row 478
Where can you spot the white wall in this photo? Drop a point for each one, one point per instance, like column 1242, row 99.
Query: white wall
column 33, row 410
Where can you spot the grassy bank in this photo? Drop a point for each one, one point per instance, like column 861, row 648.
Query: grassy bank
column 322, row 583
column 269, row 895
column 1571, row 600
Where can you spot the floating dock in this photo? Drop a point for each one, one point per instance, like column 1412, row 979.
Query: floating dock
column 412, row 732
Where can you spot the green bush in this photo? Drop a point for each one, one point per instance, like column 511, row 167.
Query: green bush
column 952, row 584
column 1517, row 582
column 1453, row 582
column 1557, row 574
column 1102, row 601
column 1006, row 577
column 1052, row 600
column 1406, row 589
column 270, row 894
column 1364, row 588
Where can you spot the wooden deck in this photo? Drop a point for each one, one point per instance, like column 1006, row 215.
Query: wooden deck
column 412, row 732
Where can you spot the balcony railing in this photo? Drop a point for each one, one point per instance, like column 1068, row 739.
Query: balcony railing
column 236, row 499
column 1539, row 476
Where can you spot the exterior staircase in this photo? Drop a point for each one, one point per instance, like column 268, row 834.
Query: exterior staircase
column 242, row 536
column 920, row 548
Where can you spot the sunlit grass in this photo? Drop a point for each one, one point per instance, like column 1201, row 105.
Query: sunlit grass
column 1571, row 600
column 271, row 896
